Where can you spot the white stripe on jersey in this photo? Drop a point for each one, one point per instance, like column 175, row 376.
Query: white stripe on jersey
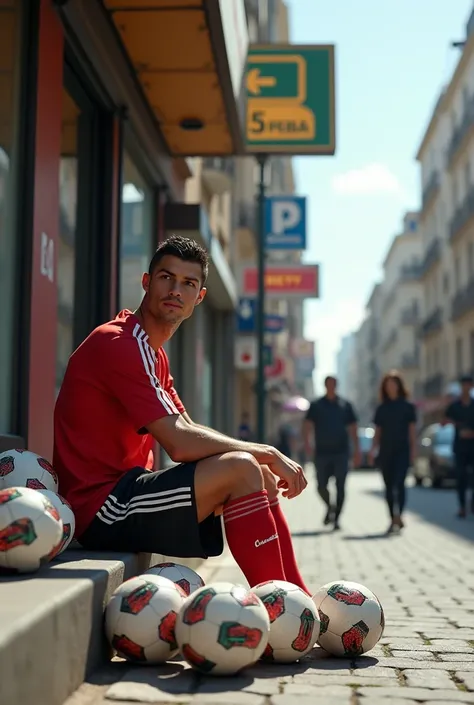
column 149, row 363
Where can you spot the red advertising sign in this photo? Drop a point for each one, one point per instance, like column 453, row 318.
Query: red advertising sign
column 300, row 281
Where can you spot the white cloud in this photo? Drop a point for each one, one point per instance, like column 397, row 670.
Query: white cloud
column 368, row 180
column 327, row 330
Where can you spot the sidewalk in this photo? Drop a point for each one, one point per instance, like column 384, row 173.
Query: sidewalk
column 424, row 579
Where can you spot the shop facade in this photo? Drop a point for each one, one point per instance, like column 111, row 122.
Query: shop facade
column 87, row 177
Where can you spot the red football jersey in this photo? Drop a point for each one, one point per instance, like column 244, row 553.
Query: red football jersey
column 115, row 384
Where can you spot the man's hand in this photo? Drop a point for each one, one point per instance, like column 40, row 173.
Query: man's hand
column 356, row 458
column 292, row 479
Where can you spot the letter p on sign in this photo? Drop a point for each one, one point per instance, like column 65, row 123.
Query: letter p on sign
column 285, row 215
column 285, row 222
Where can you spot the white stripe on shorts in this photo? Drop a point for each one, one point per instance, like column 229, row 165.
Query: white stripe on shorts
column 112, row 510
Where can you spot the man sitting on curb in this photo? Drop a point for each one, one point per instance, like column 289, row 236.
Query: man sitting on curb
column 118, row 397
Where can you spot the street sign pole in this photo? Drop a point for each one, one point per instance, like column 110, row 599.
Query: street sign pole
column 260, row 319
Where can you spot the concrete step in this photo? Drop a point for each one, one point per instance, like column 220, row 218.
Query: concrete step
column 51, row 634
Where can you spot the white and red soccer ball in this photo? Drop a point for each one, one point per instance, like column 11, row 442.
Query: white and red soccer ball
column 140, row 619
column 31, row 530
column 23, row 468
column 294, row 621
column 222, row 628
column 67, row 515
column 187, row 579
column 352, row 618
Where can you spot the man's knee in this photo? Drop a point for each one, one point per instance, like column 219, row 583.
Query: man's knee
column 232, row 470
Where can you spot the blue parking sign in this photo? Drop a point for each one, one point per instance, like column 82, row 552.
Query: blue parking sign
column 285, row 223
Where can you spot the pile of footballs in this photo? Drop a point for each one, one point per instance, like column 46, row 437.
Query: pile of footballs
column 36, row 523
column 222, row 628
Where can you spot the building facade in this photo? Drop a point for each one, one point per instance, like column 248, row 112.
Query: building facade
column 402, row 296
column 446, row 158
column 100, row 110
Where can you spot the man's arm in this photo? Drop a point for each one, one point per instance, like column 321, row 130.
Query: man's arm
column 352, row 427
column 309, row 425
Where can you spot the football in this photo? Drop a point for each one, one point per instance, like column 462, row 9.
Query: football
column 352, row 618
column 183, row 576
column 294, row 621
column 31, row 529
column 67, row 516
column 22, row 468
column 222, row 628
column 140, row 619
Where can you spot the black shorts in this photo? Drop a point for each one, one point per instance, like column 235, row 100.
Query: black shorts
column 155, row 512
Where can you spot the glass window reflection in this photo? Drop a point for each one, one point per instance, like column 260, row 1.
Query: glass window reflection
column 137, row 234
column 10, row 71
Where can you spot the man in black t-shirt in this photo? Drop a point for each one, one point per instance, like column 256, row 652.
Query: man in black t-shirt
column 329, row 421
column 461, row 414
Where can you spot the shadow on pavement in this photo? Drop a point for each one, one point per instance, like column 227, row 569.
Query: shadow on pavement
column 435, row 506
column 175, row 679
column 368, row 537
column 307, row 534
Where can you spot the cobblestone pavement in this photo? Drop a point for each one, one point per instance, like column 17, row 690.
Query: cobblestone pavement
column 424, row 579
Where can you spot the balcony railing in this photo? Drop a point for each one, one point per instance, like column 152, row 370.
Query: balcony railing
column 432, row 255
column 430, row 190
column 410, row 316
column 463, row 301
column 461, row 131
column 433, row 386
column 462, row 215
column 410, row 360
column 432, row 323
column 411, row 272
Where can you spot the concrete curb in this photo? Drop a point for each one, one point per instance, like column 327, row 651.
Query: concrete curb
column 51, row 635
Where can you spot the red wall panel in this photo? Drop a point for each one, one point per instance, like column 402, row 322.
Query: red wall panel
column 114, row 221
column 42, row 371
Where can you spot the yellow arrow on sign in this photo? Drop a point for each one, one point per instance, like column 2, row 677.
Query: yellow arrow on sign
column 255, row 81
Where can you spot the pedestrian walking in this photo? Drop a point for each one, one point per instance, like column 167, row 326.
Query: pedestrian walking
column 329, row 426
column 395, row 439
column 461, row 413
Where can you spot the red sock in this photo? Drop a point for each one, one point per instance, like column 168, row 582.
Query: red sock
column 253, row 538
column 290, row 565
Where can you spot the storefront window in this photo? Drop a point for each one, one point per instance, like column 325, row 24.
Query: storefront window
column 137, row 234
column 68, row 191
column 10, row 72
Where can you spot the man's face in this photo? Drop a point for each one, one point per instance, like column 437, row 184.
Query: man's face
column 173, row 289
column 330, row 385
column 466, row 387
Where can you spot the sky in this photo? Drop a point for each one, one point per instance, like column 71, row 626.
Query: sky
column 392, row 60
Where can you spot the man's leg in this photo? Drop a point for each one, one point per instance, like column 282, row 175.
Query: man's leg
column 323, row 473
column 387, row 475
column 341, row 467
column 461, row 482
column 235, row 480
column 290, row 564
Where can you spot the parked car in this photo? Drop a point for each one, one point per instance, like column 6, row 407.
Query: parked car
column 435, row 458
column 365, row 435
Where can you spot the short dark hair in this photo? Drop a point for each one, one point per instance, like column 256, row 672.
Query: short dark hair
column 398, row 379
column 184, row 248
column 466, row 379
column 330, row 378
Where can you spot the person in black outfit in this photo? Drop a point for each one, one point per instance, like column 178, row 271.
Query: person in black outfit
column 395, row 438
column 328, row 421
column 461, row 414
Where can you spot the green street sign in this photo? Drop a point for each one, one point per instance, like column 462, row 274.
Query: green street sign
column 290, row 99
